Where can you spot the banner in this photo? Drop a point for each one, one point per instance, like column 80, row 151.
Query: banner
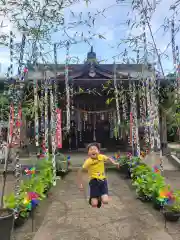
column 58, row 129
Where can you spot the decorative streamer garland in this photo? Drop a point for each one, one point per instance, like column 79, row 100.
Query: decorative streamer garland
column 68, row 120
column 36, row 119
column 36, row 105
column 177, row 84
column 53, row 130
column 135, row 124
column 44, row 111
column 21, row 55
column 11, row 47
column 59, row 129
column 53, row 124
column 143, row 103
column 132, row 127
column 18, row 110
column 155, row 110
column 149, row 118
column 124, row 103
column 42, row 117
column 46, row 85
column 117, row 100
column 173, row 42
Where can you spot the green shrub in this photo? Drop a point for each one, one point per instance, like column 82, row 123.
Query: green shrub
column 36, row 183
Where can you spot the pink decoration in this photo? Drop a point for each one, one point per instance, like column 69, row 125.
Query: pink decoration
column 25, row 70
column 58, row 129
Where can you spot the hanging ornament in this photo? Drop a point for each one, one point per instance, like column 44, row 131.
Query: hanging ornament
column 36, row 102
column 36, row 117
column 53, row 123
column 68, row 120
column 150, row 115
column 145, row 97
column 135, row 127
column 116, row 95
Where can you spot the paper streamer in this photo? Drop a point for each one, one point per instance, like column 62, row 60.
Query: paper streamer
column 58, row 129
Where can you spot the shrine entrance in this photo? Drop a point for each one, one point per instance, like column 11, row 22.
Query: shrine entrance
column 92, row 120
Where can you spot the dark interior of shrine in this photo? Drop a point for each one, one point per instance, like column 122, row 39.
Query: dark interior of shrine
column 92, row 118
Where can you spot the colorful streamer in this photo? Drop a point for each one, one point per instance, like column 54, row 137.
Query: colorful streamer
column 46, row 116
column 53, row 132
column 68, row 120
column 11, row 124
column 58, row 129
column 116, row 97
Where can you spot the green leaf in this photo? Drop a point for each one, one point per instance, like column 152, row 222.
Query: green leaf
column 101, row 36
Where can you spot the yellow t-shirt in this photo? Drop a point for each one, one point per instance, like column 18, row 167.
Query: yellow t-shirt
column 96, row 167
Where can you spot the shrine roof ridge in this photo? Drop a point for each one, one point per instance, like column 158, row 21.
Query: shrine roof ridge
column 104, row 66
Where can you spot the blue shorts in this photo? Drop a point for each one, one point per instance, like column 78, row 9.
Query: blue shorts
column 98, row 188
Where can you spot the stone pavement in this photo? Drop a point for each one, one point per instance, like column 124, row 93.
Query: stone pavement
column 70, row 217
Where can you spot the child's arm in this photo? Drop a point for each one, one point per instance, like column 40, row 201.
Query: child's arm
column 111, row 160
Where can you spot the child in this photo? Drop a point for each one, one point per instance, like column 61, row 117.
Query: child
column 96, row 171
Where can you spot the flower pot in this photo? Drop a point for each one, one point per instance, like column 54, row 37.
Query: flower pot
column 124, row 168
column 19, row 221
column 6, row 223
column 144, row 198
column 171, row 216
column 157, row 205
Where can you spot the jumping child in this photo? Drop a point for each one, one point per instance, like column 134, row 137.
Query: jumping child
column 96, row 171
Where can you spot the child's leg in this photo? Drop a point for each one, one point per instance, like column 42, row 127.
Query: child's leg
column 104, row 192
column 105, row 199
column 93, row 202
column 95, row 193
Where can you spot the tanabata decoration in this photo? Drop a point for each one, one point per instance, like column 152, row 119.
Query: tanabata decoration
column 68, row 160
column 31, row 200
column 156, row 169
column 30, row 171
column 25, row 70
column 142, row 154
column 166, row 196
column 129, row 155
column 116, row 156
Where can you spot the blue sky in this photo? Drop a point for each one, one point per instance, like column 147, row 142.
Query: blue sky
column 113, row 28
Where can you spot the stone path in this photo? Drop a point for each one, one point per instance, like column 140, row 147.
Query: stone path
column 70, row 217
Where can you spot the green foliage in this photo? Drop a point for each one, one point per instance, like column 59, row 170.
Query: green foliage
column 38, row 183
column 175, row 206
column 61, row 162
column 4, row 107
column 150, row 184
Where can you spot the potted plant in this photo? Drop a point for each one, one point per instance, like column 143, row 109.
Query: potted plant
column 123, row 161
column 140, row 170
column 159, row 184
column 6, row 223
column 172, row 207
